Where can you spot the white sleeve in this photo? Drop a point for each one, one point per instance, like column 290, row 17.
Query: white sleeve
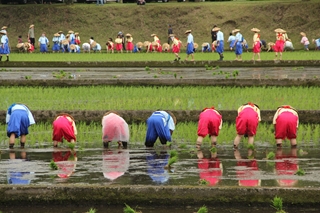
column 170, row 124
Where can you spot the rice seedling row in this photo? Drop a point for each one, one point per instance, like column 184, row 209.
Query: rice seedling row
column 152, row 98
column 199, row 56
column 185, row 135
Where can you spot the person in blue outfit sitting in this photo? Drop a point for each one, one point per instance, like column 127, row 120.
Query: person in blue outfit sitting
column 18, row 118
column 160, row 124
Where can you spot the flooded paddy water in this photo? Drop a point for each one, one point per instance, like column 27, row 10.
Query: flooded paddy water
column 138, row 166
column 211, row 72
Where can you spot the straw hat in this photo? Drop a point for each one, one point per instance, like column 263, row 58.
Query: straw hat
column 303, row 34
column 195, row 45
column 204, row 44
column 56, row 34
column 76, row 33
column 255, row 30
column 4, row 27
column 68, row 35
column 215, row 29
column 146, row 43
column 60, row 31
column 188, row 31
column 70, row 31
column 139, row 44
column 236, row 30
column 171, row 35
column 72, row 46
column 94, row 44
column 31, row 26
column 153, row 35
column 3, row 32
column 128, row 35
column 65, row 42
column 279, row 30
column 63, row 113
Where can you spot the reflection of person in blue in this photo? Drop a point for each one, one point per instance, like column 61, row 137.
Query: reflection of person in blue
column 156, row 163
column 115, row 163
column 160, row 124
column 66, row 162
column 210, row 167
column 16, row 175
column 286, row 165
column 247, row 169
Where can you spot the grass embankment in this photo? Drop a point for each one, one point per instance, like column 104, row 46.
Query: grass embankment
column 199, row 56
column 152, row 98
column 184, row 137
column 142, row 21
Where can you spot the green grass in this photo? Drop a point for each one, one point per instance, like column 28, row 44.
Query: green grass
column 151, row 98
column 141, row 22
column 199, row 56
column 184, row 136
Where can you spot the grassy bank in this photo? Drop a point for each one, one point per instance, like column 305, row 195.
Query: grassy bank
column 152, row 98
column 142, row 21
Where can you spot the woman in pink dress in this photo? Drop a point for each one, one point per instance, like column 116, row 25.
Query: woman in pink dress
column 118, row 42
column 278, row 47
column 256, row 44
column 175, row 46
column 129, row 40
column 114, row 128
column 157, row 40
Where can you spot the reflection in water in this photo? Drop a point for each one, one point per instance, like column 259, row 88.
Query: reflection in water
column 210, row 167
column 115, row 163
column 286, row 165
column 156, row 163
column 16, row 173
column 66, row 161
column 247, row 169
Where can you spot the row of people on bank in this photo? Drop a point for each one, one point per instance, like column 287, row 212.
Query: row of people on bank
column 160, row 124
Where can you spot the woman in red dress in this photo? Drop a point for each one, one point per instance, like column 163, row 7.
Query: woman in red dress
column 256, row 44
column 278, row 47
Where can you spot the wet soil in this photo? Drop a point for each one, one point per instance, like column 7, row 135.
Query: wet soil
column 164, row 76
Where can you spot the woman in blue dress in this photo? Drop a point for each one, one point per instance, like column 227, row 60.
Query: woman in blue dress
column 4, row 45
column 56, row 43
column 43, row 43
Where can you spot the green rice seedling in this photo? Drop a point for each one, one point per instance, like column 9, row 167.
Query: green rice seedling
column 300, row 172
column 250, row 146
column 213, row 150
column 277, row 204
column 92, row 210
column 271, row 156
column 175, row 75
column 28, row 77
column 208, row 67
column 147, row 68
column 155, row 76
column 53, row 165
column 181, row 77
column 173, row 153
column 203, row 182
column 171, row 161
column 169, row 144
column 71, row 146
column 128, row 209
column 183, row 146
column 203, row 209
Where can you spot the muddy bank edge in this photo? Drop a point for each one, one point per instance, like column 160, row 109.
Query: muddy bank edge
column 153, row 195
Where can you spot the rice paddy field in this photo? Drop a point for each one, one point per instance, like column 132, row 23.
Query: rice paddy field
column 168, row 98
column 157, row 97
column 199, row 56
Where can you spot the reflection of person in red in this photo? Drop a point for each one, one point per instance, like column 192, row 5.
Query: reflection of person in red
column 66, row 162
column 287, row 165
column 286, row 121
column 210, row 168
column 115, row 163
column 210, row 123
column 247, row 169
